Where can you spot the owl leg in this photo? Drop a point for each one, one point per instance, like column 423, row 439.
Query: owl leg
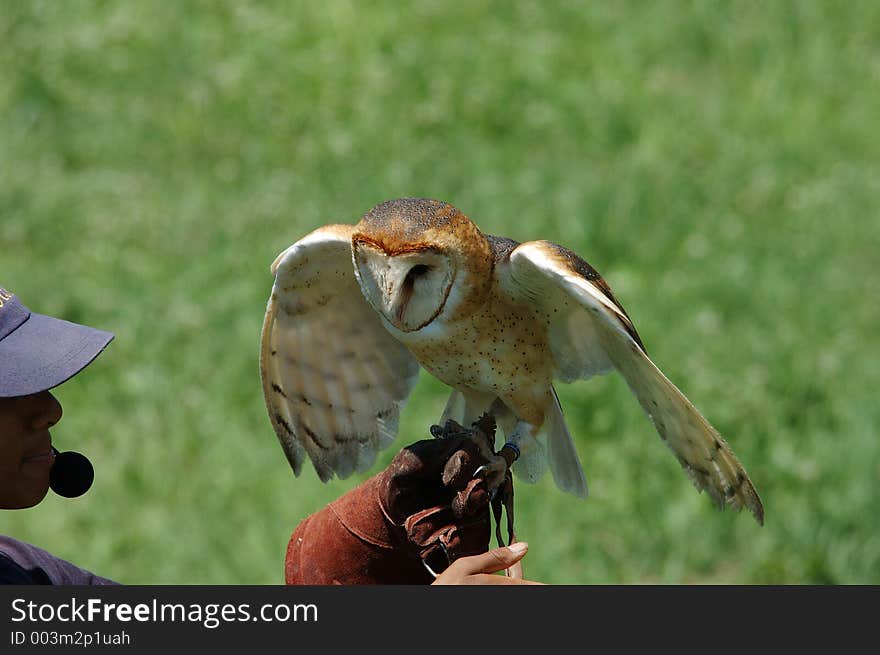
column 521, row 438
column 499, row 464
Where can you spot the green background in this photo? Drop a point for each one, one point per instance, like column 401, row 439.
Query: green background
column 718, row 163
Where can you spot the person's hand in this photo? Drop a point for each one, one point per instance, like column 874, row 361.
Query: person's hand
column 409, row 524
column 431, row 492
column 480, row 569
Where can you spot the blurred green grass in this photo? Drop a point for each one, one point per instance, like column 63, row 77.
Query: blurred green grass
column 719, row 163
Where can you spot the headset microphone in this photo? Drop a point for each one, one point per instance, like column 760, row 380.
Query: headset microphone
column 72, row 474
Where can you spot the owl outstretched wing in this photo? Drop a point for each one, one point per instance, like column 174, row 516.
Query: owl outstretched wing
column 334, row 379
column 590, row 333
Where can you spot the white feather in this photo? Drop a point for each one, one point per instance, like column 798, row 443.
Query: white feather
column 334, row 379
column 588, row 334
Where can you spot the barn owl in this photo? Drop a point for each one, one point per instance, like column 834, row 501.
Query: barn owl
column 356, row 310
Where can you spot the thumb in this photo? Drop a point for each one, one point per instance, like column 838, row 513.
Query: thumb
column 495, row 560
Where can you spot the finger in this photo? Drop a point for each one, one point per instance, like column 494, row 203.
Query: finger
column 495, row 560
column 516, row 571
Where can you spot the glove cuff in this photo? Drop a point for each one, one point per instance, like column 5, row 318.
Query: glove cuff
column 362, row 514
column 353, row 541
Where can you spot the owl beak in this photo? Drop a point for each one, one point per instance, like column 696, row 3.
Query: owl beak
column 382, row 278
column 394, row 301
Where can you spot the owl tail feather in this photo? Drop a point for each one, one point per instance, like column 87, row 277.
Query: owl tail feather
column 552, row 444
column 701, row 451
column 565, row 465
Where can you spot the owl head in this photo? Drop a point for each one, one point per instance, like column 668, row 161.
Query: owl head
column 420, row 261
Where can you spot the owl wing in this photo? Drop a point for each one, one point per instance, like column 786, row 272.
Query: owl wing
column 589, row 333
column 334, row 379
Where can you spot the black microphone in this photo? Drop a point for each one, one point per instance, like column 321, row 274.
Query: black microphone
column 72, row 474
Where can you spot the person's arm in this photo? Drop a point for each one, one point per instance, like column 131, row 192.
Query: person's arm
column 22, row 563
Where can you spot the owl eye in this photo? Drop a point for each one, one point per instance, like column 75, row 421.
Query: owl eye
column 418, row 270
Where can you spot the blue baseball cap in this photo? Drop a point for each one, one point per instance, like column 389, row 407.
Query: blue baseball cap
column 40, row 352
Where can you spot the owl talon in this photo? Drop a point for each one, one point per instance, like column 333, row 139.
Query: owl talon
column 493, row 473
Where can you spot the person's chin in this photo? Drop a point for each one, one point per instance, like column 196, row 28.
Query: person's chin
column 36, row 484
column 25, row 498
column 36, row 500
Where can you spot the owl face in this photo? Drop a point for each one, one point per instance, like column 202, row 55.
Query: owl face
column 409, row 287
column 420, row 263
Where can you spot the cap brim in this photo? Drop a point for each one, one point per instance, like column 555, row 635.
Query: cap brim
column 44, row 351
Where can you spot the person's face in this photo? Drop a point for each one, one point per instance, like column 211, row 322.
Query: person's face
column 26, row 455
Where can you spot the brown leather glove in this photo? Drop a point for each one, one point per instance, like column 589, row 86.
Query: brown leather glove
column 425, row 508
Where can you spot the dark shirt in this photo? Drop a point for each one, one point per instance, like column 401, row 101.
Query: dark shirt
column 22, row 563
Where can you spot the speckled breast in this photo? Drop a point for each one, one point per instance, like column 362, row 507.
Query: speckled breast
column 502, row 348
